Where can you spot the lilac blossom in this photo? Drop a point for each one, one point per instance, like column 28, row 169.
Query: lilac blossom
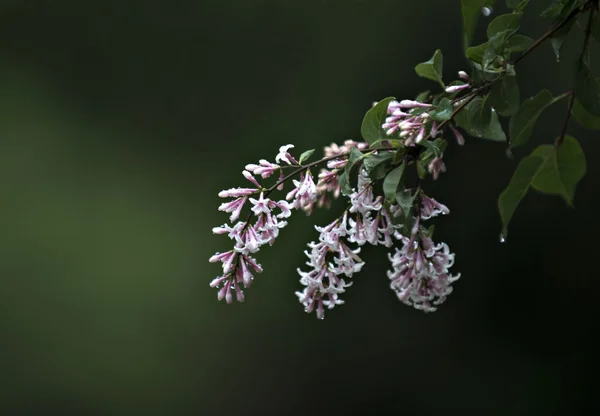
column 329, row 261
column 304, row 193
column 264, row 168
column 459, row 137
column 419, row 274
column 436, row 166
column 431, row 208
column 285, row 155
column 413, row 127
column 456, row 88
column 261, row 228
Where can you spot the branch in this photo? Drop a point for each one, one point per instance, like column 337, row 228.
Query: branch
column 552, row 31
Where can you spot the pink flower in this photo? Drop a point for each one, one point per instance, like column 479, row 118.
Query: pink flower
column 264, row 168
column 431, row 208
column 459, row 137
column 285, row 155
column 436, row 166
column 323, row 283
column 234, row 207
column 304, row 193
column 419, row 274
column 456, row 88
column 237, row 192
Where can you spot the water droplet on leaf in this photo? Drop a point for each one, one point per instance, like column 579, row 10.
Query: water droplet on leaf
column 502, row 237
column 486, row 11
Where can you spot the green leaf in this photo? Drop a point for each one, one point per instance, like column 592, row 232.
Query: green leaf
column 305, row 156
column 391, row 182
column 421, row 170
column 444, row 110
column 430, row 230
column 505, row 97
column 436, row 147
column 345, row 184
column 504, row 24
column 559, row 38
column 587, row 90
column 518, row 43
column 346, row 177
column 584, row 117
column 405, row 199
column 561, row 169
column 489, row 56
column 371, row 126
column 354, row 156
column 554, row 9
column 376, row 165
column 432, row 69
column 547, row 169
column 493, row 132
column 471, row 10
column 422, row 97
column 522, row 123
column 517, row 5
column 479, row 115
column 517, row 188
column 476, row 53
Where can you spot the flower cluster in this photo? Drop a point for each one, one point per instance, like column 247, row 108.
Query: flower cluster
column 414, row 122
column 262, row 227
column 366, row 221
column 371, row 222
column 419, row 274
column 329, row 260
column 329, row 178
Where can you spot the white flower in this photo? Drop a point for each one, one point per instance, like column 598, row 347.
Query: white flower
column 419, row 274
column 323, row 282
column 284, row 155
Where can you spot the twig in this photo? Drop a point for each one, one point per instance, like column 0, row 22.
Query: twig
column 561, row 138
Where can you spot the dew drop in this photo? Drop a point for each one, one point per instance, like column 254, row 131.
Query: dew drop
column 486, row 11
column 502, row 238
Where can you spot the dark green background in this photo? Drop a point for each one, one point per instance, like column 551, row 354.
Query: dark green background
column 119, row 123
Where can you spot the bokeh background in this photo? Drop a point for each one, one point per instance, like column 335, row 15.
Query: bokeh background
column 119, row 124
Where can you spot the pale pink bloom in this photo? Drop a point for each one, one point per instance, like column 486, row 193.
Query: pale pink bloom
column 436, row 166
column 459, row 137
column 431, row 208
column 251, row 178
column 323, row 283
column 285, row 155
column 456, row 88
column 304, row 193
column 419, row 274
column 234, row 207
column 465, row 76
column 264, row 168
column 237, row 192
column 412, row 104
column 363, row 199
